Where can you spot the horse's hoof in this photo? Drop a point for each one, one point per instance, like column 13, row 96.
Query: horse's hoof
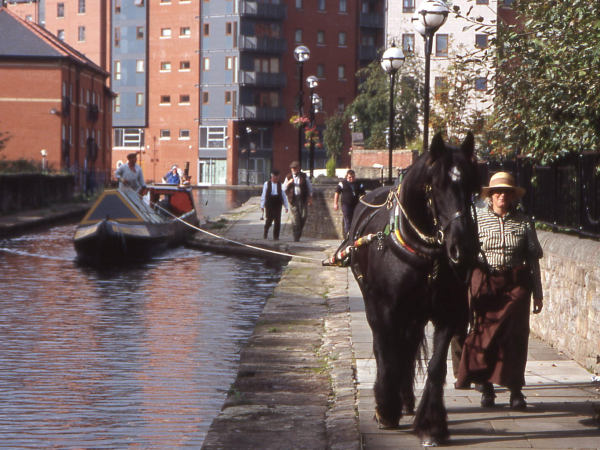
column 384, row 424
column 430, row 442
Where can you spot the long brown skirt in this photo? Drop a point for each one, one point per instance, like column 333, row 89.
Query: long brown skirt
column 495, row 349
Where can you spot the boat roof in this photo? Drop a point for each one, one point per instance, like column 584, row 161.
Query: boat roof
column 123, row 205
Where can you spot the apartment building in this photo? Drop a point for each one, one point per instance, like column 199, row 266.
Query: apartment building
column 214, row 83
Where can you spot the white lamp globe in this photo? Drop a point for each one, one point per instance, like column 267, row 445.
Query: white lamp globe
column 392, row 59
column 301, row 53
column 433, row 14
column 312, row 81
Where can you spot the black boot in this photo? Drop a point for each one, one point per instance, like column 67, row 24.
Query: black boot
column 487, row 395
column 517, row 400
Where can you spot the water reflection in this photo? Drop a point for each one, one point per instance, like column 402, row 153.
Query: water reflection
column 142, row 356
column 214, row 202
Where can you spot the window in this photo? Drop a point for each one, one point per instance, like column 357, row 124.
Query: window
column 320, row 38
column 139, row 33
column 60, row 10
column 206, row 64
column 117, row 70
column 341, row 105
column 165, row 1
column 343, row 6
column 507, row 3
column 165, row 134
column 342, row 38
column 81, row 7
column 228, row 63
column 298, row 36
column 321, row 5
column 117, row 6
column 205, row 98
column 184, row 99
column 481, row 84
column 184, row 134
column 227, row 97
column 165, row 33
column 482, row 2
column 185, row 32
column 341, row 72
column 408, row 6
column 117, row 103
column 228, row 28
column 117, row 36
column 183, row 65
column 206, row 29
column 165, row 66
column 139, row 99
column 213, row 137
column 60, row 34
column 481, row 40
column 298, row 4
column 165, row 99
column 408, row 43
column 138, row 2
column 81, row 34
column 129, row 137
column 320, row 71
column 139, row 65
column 441, row 45
column 441, row 88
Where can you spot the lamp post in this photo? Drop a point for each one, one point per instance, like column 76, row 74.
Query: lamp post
column 301, row 55
column 312, row 83
column 430, row 16
column 390, row 62
column 44, row 154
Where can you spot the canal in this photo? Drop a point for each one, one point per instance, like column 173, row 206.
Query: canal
column 140, row 356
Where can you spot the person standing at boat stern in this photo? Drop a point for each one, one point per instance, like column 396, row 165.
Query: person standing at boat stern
column 350, row 191
column 495, row 350
column 299, row 192
column 272, row 200
column 130, row 174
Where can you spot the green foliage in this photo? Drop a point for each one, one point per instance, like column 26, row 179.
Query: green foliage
column 330, row 166
column 19, row 166
column 371, row 105
column 333, row 136
column 548, row 91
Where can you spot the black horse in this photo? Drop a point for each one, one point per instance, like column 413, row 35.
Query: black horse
column 422, row 243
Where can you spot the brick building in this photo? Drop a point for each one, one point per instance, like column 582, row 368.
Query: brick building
column 53, row 98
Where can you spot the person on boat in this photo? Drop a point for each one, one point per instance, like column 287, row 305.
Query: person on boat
column 172, row 176
column 131, row 175
column 299, row 191
column 272, row 199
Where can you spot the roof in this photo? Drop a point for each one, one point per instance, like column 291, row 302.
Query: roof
column 24, row 39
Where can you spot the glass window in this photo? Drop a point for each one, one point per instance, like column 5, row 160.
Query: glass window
column 441, row 45
column 206, row 64
column 228, row 28
column 184, row 134
column 165, row 32
column 343, row 6
column 81, row 34
column 481, row 40
column 165, row 99
column 321, row 5
column 481, row 84
column 81, row 7
column 117, row 6
column 184, row 99
column 117, row 103
column 320, row 70
column 227, row 97
column 213, row 137
column 60, row 34
column 139, row 65
column 341, row 72
column 183, row 65
column 60, row 10
column 298, row 36
column 408, row 43
column 298, row 4
column 408, row 6
column 117, row 71
column 117, row 36
column 165, row 134
column 139, row 33
column 139, row 99
column 342, row 38
column 441, row 88
column 185, row 32
column 228, row 63
column 205, row 98
column 165, row 66
column 320, row 37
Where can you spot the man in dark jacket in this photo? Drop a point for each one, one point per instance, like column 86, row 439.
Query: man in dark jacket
column 350, row 191
column 299, row 192
column 272, row 199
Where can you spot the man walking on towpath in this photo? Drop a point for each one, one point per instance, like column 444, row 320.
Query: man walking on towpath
column 299, row 192
column 350, row 190
column 272, row 199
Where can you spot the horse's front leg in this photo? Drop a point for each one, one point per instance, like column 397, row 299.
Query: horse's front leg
column 431, row 423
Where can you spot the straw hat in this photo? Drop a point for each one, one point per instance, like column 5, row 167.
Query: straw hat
column 502, row 180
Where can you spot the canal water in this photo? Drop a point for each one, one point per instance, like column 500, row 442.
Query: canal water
column 141, row 356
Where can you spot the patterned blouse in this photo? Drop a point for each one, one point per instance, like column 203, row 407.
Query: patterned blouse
column 509, row 242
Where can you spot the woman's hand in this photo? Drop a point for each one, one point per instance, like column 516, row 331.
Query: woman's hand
column 538, row 304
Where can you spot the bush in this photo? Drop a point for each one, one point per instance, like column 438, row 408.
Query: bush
column 330, row 166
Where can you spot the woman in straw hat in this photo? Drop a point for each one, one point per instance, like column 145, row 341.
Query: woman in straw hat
column 495, row 350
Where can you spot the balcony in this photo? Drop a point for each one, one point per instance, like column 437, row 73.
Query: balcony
column 371, row 20
column 92, row 112
column 261, row 79
column 262, row 44
column 91, row 150
column 367, row 53
column 262, row 10
column 261, row 113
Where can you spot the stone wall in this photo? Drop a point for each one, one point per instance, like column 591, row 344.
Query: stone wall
column 323, row 221
column 570, row 320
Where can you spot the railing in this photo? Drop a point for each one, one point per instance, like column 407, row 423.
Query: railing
column 262, row 79
column 564, row 195
column 261, row 113
column 367, row 52
column 92, row 112
column 262, row 10
column 262, row 44
column 371, row 20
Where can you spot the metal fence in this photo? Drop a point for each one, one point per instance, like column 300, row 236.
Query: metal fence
column 564, row 195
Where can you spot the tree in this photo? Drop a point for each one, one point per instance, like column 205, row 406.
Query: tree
column 333, row 135
column 371, row 105
column 548, row 92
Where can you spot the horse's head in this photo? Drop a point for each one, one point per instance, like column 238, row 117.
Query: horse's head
column 453, row 179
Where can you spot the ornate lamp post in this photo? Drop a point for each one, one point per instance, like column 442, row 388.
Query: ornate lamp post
column 301, row 55
column 430, row 16
column 391, row 61
column 312, row 83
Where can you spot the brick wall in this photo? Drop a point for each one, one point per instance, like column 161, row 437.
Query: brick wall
column 363, row 160
column 323, row 221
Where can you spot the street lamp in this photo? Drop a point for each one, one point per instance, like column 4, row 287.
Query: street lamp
column 430, row 16
column 44, row 154
column 312, row 83
column 301, row 55
column 391, row 61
